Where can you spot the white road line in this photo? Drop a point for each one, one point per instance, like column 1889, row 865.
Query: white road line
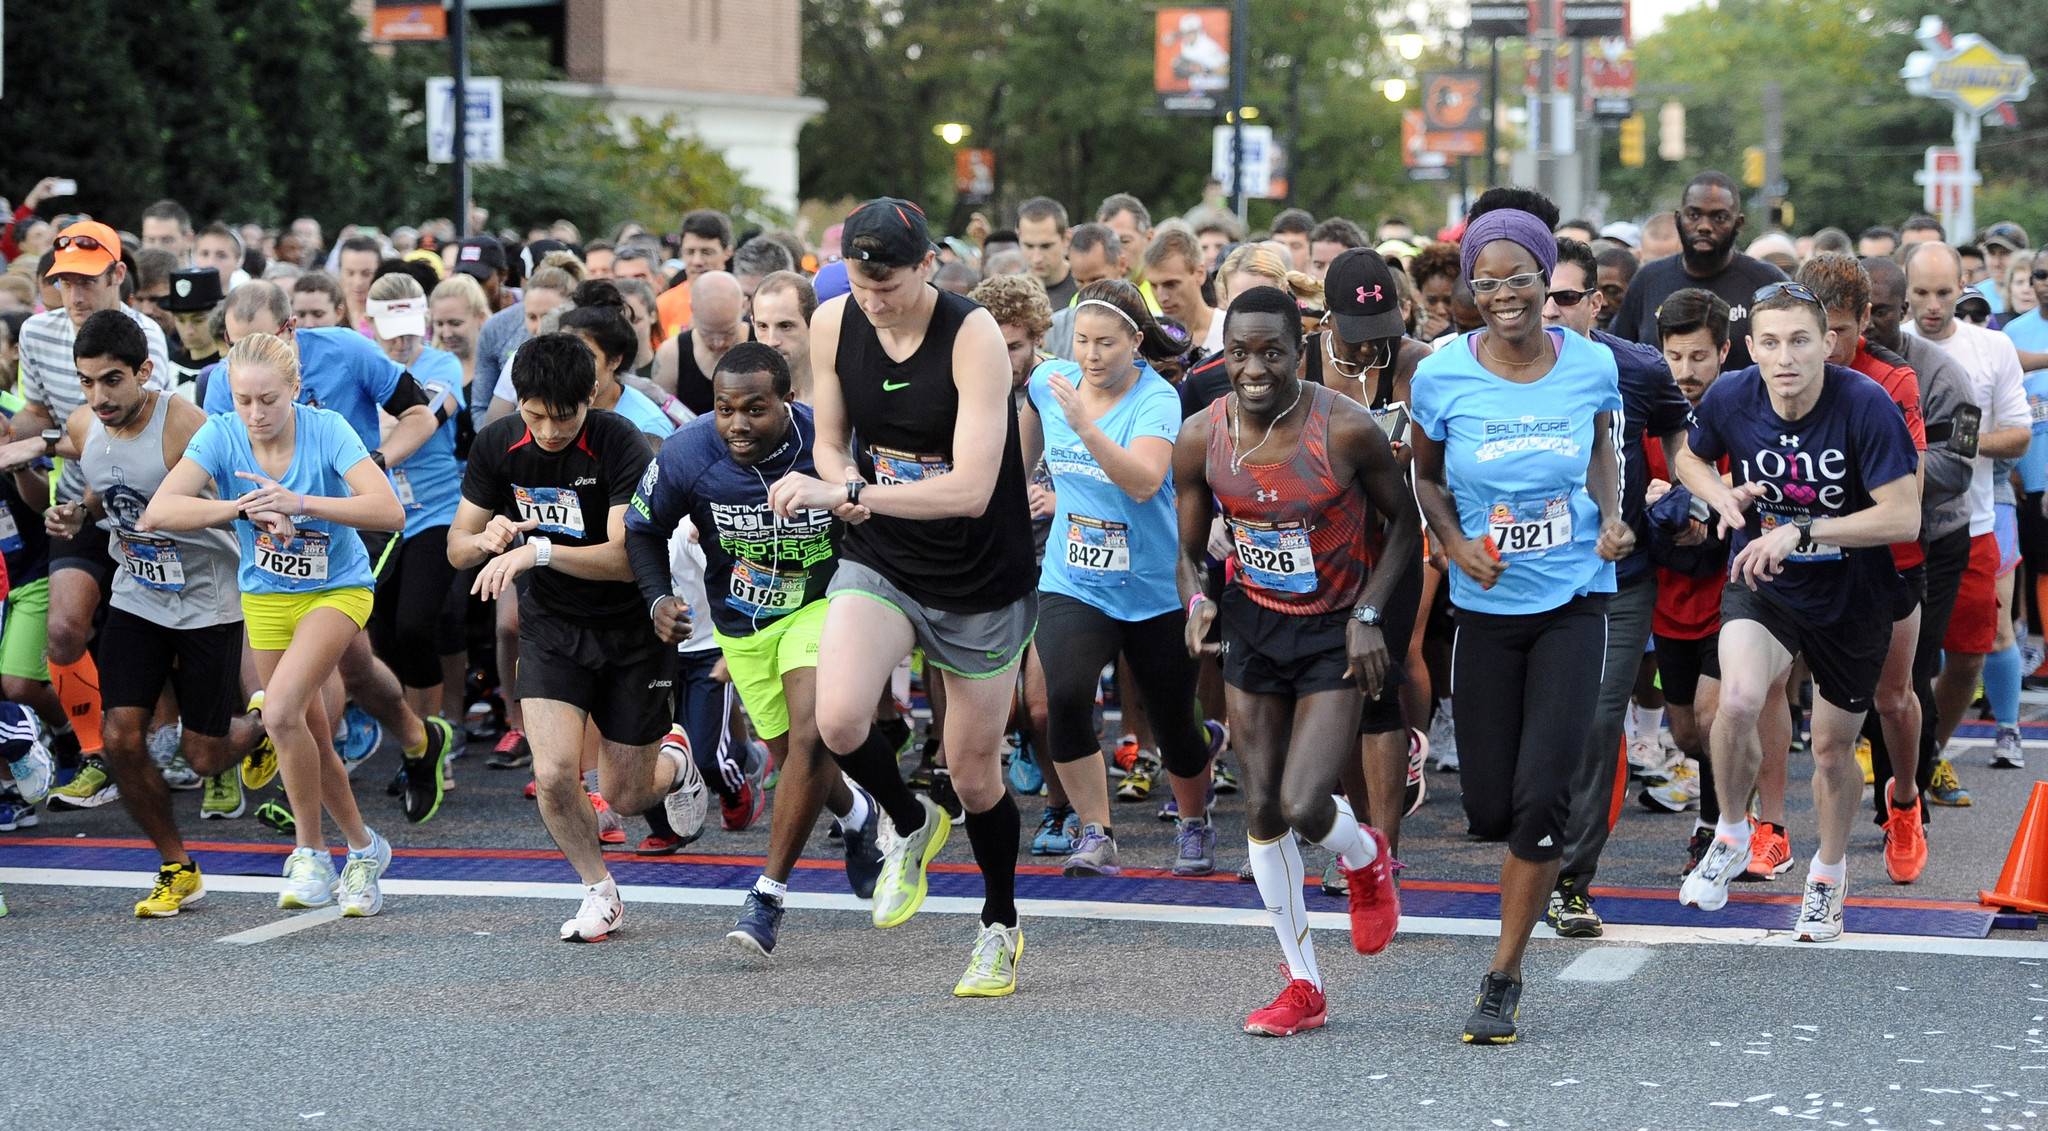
column 286, row 926
column 1606, row 964
column 1336, row 921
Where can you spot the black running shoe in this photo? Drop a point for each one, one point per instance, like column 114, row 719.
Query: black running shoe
column 1493, row 1014
column 421, row 778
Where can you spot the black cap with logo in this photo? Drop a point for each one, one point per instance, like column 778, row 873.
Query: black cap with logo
column 1362, row 297
column 895, row 228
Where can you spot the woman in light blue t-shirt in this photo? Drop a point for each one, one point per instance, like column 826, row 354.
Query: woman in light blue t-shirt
column 1106, row 424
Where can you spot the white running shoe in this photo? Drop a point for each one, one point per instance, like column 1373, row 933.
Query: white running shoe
column 360, row 895
column 599, row 915
column 1820, row 912
column 1443, row 740
column 1707, row 886
column 33, row 769
column 687, row 804
column 1676, row 793
column 309, row 880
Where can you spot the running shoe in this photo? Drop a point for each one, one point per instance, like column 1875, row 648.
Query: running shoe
column 759, row 922
column 1706, row 886
column 359, row 737
column 1335, row 883
column 164, row 741
column 1863, row 761
column 1770, row 853
column 277, row 818
column 1221, row 774
column 1375, row 903
column 739, row 812
column 511, row 753
column 1169, row 810
column 864, row 851
column 1905, row 844
column 1678, row 792
column 178, row 774
column 29, row 760
column 1194, row 848
column 1417, row 789
column 946, row 797
column 360, row 894
column 1648, row 759
column 223, row 799
column 1820, row 912
column 1494, row 1011
column 532, row 791
column 1245, row 875
column 1299, row 1007
column 1058, row 826
column 259, row 766
column 16, row 813
column 309, row 880
column 425, row 784
column 176, row 886
column 1576, row 918
column 1137, row 784
column 992, row 968
column 91, row 788
column 1224, row 777
column 927, row 762
column 2007, row 754
column 684, row 806
column 658, row 844
column 1443, row 739
column 1125, row 757
column 1094, row 854
column 901, row 889
column 1946, row 789
column 1695, row 848
column 610, row 829
column 166, row 750
column 598, row 916
column 1025, row 775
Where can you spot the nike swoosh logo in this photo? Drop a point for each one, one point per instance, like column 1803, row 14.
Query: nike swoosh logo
column 892, row 386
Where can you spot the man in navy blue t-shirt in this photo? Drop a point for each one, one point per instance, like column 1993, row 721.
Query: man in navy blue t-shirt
column 1824, row 481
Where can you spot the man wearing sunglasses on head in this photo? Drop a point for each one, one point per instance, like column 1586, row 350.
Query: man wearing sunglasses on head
column 1651, row 405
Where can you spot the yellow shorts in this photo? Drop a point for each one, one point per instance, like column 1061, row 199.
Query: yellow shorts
column 756, row 664
column 272, row 618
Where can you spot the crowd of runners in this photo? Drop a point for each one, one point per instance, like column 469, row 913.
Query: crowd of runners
column 1578, row 513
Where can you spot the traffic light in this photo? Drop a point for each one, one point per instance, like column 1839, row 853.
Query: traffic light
column 1632, row 130
column 1753, row 166
column 1671, row 131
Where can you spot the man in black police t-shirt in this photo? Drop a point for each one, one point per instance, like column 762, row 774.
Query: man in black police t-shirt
column 561, row 474
column 1709, row 220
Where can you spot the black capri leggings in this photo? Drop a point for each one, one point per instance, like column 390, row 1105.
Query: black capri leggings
column 407, row 623
column 1523, row 688
column 1076, row 641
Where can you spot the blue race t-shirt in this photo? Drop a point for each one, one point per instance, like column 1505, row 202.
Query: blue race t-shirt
column 1106, row 549
column 339, row 370
column 644, row 414
column 1824, row 465
column 321, row 555
column 429, row 482
column 1515, row 458
column 2029, row 331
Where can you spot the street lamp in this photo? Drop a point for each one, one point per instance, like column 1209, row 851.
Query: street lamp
column 1394, row 89
column 1410, row 45
column 952, row 133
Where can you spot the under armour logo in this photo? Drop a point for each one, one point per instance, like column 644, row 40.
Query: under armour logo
column 1268, row 496
column 1369, row 296
column 1788, row 441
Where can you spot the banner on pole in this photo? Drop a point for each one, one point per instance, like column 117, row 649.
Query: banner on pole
column 1191, row 59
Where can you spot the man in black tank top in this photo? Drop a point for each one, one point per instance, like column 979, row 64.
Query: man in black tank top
column 939, row 555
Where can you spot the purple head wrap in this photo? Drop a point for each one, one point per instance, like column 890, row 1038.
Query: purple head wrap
column 1515, row 226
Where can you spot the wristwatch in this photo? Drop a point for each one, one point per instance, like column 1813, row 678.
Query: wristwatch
column 50, row 438
column 1368, row 615
column 543, row 551
column 377, row 457
column 853, row 487
column 1804, row 523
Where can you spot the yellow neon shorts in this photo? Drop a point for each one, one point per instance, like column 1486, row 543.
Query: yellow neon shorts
column 272, row 618
column 756, row 664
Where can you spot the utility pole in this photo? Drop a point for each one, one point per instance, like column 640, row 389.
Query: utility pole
column 458, row 39
column 1773, row 192
column 1240, row 36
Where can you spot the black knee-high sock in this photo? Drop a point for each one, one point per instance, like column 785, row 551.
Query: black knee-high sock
column 994, row 837
column 872, row 765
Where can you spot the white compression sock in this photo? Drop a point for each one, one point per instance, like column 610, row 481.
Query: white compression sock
column 1276, row 866
column 766, row 886
column 858, row 814
column 1347, row 839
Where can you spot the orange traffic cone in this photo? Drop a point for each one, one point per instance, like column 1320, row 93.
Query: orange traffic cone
column 2023, row 885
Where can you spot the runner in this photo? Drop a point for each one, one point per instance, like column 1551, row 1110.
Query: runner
column 783, row 305
column 1106, row 426
column 1824, row 482
column 548, row 474
column 305, row 587
column 176, row 617
column 1710, row 217
column 1518, row 472
column 1301, row 626
column 943, row 564
column 771, row 576
column 1042, row 233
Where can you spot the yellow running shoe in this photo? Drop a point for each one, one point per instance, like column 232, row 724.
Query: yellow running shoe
column 176, row 886
column 902, row 888
column 992, row 969
column 259, row 767
column 1947, row 789
column 1863, row 761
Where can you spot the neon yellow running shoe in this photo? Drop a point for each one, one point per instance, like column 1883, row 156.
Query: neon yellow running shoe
column 1863, row 761
column 901, row 890
column 176, row 886
column 259, row 767
column 992, row 969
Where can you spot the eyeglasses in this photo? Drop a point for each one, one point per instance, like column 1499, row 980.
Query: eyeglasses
column 1520, row 282
column 1572, row 298
column 1800, row 291
column 82, row 243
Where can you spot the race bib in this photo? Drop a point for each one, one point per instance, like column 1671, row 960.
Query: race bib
column 759, row 591
column 892, row 466
column 2037, row 411
column 302, row 557
column 402, row 483
column 1769, row 519
column 1098, row 550
column 1274, row 555
column 152, row 561
column 1530, row 526
column 10, row 533
column 558, row 509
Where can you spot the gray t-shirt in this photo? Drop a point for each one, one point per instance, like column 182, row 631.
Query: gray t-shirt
column 503, row 333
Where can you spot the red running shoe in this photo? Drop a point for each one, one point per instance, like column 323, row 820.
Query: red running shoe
column 1375, row 903
column 658, row 845
column 533, row 791
column 610, row 830
column 741, row 811
column 1300, row 1006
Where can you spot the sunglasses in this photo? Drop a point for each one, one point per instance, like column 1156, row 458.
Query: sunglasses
column 82, row 243
column 1572, row 298
column 1800, row 291
column 2039, row 275
column 1520, row 282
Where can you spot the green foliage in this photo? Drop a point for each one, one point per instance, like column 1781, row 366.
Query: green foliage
column 72, row 109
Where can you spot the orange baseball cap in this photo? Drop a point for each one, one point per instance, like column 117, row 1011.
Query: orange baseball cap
column 96, row 248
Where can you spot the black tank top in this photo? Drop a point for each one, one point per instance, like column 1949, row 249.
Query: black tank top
column 902, row 415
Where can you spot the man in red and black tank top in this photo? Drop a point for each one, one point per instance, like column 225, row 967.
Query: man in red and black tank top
column 1293, row 467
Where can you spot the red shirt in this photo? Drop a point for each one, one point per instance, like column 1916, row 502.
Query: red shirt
column 1903, row 386
column 1688, row 607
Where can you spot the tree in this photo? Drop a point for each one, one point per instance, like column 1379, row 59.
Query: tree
column 204, row 115
column 74, row 108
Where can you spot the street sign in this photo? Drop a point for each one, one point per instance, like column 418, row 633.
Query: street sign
column 1971, row 75
column 1498, row 21
column 1260, row 159
column 1592, row 19
column 1453, row 117
column 485, row 120
column 1943, row 181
